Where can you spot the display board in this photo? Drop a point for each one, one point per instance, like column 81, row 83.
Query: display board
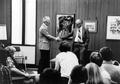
column 3, row 33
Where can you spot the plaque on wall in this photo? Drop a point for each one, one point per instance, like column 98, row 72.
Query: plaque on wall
column 3, row 33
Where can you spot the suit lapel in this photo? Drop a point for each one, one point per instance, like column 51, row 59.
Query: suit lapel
column 83, row 31
column 75, row 32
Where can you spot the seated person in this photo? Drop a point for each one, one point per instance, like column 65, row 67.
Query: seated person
column 78, row 75
column 65, row 61
column 50, row 76
column 5, row 75
column 94, row 75
column 107, row 64
column 10, row 63
column 96, row 58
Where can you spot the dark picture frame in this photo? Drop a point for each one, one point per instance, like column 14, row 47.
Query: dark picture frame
column 64, row 24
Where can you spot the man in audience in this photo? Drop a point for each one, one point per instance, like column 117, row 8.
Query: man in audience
column 65, row 61
column 113, row 70
column 50, row 76
column 78, row 75
column 44, row 45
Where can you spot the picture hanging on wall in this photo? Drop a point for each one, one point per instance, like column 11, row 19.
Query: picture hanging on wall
column 64, row 24
column 91, row 25
column 113, row 28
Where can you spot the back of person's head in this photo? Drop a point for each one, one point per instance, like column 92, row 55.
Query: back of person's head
column 10, row 49
column 96, row 58
column 106, row 53
column 64, row 46
column 94, row 75
column 50, row 76
column 78, row 74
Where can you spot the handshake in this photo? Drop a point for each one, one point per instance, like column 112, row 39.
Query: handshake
column 58, row 39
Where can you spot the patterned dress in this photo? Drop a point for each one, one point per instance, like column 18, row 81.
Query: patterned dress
column 5, row 74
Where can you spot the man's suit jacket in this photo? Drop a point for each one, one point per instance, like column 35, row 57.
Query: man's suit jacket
column 85, row 36
column 44, row 37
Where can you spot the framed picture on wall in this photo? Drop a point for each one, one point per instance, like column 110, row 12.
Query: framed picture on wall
column 91, row 25
column 113, row 28
column 64, row 24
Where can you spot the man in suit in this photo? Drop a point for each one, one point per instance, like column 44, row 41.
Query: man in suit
column 80, row 40
column 44, row 45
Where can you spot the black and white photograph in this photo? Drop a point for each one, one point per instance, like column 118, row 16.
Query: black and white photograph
column 59, row 41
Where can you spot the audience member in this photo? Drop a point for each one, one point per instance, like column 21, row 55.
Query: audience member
column 65, row 61
column 10, row 62
column 78, row 75
column 96, row 58
column 5, row 74
column 113, row 70
column 15, row 72
column 50, row 76
column 94, row 75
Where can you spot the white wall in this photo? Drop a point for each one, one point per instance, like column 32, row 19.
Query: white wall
column 28, row 51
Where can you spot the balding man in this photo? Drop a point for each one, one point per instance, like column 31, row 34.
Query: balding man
column 80, row 40
column 44, row 47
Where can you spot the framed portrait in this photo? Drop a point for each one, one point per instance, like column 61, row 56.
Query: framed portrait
column 64, row 24
column 113, row 28
column 91, row 25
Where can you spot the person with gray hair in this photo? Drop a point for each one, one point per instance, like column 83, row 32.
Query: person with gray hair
column 80, row 40
column 44, row 45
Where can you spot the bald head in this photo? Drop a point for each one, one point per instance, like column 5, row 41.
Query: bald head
column 78, row 22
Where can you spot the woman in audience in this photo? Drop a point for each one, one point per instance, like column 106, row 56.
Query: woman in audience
column 65, row 61
column 5, row 75
column 78, row 75
column 94, row 75
column 11, row 63
column 96, row 58
column 50, row 76
column 113, row 70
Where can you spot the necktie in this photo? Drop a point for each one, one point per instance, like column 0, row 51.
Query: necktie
column 79, row 35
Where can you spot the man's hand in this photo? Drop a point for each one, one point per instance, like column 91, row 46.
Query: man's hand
column 58, row 39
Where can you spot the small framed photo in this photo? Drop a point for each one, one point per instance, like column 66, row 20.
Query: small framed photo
column 113, row 28
column 64, row 24
column 91, row 25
